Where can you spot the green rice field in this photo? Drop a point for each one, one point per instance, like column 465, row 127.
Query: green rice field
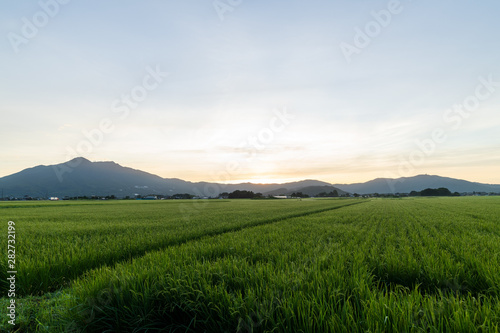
column 314, row 265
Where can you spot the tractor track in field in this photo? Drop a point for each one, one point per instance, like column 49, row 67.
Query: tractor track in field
column 271, row 221
column 227, row 230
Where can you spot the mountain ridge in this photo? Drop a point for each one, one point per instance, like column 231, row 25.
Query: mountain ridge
column 417, row 183
column 81, row 177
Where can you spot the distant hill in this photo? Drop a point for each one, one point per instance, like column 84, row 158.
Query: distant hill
column 271, row 189
column 81, row 177
column 309, row 190
column 417, row 183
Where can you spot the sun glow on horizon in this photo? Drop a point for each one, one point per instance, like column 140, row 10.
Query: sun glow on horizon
column 263, row 181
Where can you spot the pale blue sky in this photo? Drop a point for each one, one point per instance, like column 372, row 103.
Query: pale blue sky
column 352, row 120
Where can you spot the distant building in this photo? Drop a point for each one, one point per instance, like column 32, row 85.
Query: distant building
column 280, row 197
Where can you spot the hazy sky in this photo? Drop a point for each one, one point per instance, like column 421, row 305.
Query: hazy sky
column 237, row 90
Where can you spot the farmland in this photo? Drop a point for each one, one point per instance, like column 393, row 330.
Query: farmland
column 332, row 265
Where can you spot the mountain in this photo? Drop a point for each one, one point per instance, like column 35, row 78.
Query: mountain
column 81, row 177
column 417, row 183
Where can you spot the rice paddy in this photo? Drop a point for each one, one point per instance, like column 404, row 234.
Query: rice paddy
column 330, row 265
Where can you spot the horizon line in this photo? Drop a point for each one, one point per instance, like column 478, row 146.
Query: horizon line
column 255, row 181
